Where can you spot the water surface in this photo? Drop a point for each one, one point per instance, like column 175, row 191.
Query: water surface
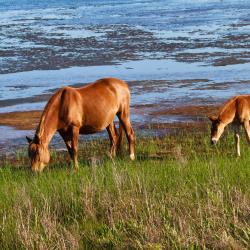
column 179, row 53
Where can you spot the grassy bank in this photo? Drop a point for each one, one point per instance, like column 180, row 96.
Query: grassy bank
column 179, row 193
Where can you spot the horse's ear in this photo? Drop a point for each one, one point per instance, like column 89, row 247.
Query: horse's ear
column 213, row 118
column 37, row 139
column 28, row 139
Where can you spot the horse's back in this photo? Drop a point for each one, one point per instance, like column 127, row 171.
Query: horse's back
column 243, row 98
column 237, row 108
column 243, row 107
column 111, row 92
column 120, row 88
column 105, row 86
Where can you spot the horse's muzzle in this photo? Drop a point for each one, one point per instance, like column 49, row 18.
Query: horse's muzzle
column 213, row 142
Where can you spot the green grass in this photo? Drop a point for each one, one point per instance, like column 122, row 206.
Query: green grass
column 179, row 193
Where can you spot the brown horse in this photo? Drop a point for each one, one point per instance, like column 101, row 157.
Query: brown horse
column 235, row 111
column 85, row 110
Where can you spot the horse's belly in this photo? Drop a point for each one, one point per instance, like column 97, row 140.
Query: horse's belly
column 89, row 129
column 97, row 121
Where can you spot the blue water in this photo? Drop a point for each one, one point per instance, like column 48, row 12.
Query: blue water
column 171, row 52
column 33, row 35
column 159, row 14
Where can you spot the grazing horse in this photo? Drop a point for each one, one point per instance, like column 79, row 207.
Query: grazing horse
column 235, row 111
column 85, row 110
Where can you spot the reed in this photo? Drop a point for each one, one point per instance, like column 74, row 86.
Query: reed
column 179, row 193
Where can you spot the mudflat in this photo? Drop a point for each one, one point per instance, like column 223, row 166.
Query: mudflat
column 27, row 120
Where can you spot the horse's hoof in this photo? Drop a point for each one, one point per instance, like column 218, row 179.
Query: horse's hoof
column 75, row 170
column 132, row 157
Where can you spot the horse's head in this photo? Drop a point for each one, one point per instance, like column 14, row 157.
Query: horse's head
column 217, row 128
column 38, row 153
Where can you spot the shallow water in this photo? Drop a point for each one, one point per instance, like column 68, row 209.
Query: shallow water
column 179, row 53
column 150, row 81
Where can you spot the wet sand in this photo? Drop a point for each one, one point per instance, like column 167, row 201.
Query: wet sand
column 17, row 125
column 188, row 116
column 21, row 120
column 194, row 111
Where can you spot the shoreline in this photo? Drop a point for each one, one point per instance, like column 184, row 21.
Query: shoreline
column 26, row 120
column 147, row 120
column 192, row 114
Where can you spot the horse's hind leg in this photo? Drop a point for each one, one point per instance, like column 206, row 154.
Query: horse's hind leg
column 237, row 138
column 125, row 121
column 113, row 138
column 75, row 136
column 119, row 138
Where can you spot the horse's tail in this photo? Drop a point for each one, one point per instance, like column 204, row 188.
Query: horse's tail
column 120, row 137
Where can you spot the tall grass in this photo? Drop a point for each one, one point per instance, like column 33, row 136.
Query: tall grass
column 179, row 193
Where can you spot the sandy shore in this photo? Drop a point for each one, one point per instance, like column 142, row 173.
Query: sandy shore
column 28, row 120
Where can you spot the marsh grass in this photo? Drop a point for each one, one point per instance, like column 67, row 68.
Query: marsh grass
column 179, row 193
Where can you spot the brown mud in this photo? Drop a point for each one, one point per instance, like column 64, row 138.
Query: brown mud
column 28, row 120
column 115, row 44
column 196, row 111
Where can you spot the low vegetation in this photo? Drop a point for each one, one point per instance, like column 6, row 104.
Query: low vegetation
column 179, row 193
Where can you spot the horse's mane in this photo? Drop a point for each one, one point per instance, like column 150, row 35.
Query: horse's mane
column 40, row 127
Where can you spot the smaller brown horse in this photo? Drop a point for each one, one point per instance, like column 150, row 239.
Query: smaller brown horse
column 235, row 111
column 85, row 110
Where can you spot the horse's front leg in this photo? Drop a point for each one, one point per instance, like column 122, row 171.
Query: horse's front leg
column 67, row 137
column 236, row 128
column 113, row 138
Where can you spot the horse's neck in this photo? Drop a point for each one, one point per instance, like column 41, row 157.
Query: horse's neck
column 227, row 114
column 49, row 120
column 46, row 128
